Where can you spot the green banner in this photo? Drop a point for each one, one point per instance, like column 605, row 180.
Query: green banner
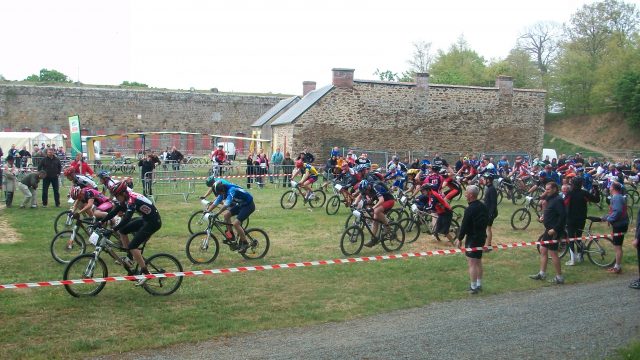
column 74, row 134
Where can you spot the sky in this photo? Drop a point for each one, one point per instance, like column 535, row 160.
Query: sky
column 251, row 46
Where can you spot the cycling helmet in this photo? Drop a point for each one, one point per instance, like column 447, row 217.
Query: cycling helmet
column 487, row 175
column 69, row 171
column 210, row 181
column 74, row 192
column 119, row 188
column 364, row 184
column 426, row 187
column 102, row 174
column 436, row 168
column 218, row 187
column 366, row 165
column 444, row 172
column 299, row 164
column 413, row 172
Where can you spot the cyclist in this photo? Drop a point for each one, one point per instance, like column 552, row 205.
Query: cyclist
column 79, row 180
column 451, row 184
column 378, row 194
column 107, row 182
column 468, row 172
column 143, row 227
column 308, row 178
column 430, row 200
column 238, row 202
column 86, row 198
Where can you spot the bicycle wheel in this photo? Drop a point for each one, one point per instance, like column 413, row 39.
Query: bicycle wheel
column 318, row 199
column 500, row 195
column 63, row 221
column 519, row 197
column 159, row 264
column 62, row 251
column 289, row 199
column 601, row 252
column 197, row 222
column 633, row 197
column 520, row 219
column 392, row 237
column 394, row 215
column 258, row 244
column 454, row 228
column 481, row 192
column 202, row 248
column 352, row 240
column 352, row 221
column 458, row 212
column 333, row 205
column 411, row 230
column 85, row 267
column 562, row 248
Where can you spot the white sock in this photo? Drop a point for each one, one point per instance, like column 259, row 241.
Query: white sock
column 573, row 255
column 478, row 283
column 473, row 284
column 542, row 273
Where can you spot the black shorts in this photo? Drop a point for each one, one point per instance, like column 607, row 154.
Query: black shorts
column 243, row 212
column 552, row 246
column 618, row 239
column 491, row 218
column 443, row 223
column 143, row 231
column 472, row 244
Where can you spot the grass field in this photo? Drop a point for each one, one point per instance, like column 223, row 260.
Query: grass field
column 49, row 323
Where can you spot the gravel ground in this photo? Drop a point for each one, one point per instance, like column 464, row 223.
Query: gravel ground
column 587, row 321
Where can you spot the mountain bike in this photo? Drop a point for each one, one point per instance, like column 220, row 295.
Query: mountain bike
column 521, row 218
column 203, row 247
column 290, row 197
column 425, row 222
column 68, row 244
column 599, row 250
column 390, row 236
column 90, row 266
column 198, row 223
column 338, row 198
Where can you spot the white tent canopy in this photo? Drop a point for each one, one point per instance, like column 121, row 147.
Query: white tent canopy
column 27, row 139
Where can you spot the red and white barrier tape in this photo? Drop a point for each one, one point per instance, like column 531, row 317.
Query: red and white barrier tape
column 291, row 265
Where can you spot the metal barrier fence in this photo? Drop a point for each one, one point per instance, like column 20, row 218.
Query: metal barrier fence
column 171, row 182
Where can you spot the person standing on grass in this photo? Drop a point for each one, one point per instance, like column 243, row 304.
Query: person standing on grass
column 491, row 202
column 28, row 185
column 553, row 219
column 576, row 202
column 618, row 219
column 52, row 167
column 474, row 228
column 9, row 171
column 636, row 244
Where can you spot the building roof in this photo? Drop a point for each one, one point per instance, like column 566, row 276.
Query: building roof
column 302, row 106
column 275, row 110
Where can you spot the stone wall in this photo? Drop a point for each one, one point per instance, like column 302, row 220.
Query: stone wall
column 108, row 110
column 403, row 117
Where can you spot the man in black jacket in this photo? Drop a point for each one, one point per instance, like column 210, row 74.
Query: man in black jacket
column 553, row 219
column 576, row 202
column 491, row 202
column 474, row 227
column 52, row 166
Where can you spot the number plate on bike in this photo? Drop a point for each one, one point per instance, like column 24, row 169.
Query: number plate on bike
column 293, row 183
column 403, row 199
column 356, row 213
column 94, row 238
column 338, row 187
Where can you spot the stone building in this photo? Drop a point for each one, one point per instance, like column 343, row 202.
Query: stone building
column 418, row 116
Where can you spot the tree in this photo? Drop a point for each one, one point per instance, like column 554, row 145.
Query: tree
column 52, row 76
column 134, row 84
column 386, row 75
column 627, row 94
column 540, row 41
column 459, row 66
column 519, row 65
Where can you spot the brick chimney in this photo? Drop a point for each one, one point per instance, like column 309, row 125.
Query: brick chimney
column 307, row 87
column 422, row 81
column 343, row 78
column 504, row 84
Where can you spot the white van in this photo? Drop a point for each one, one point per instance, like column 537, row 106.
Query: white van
column 549, row 152
column 229, row 148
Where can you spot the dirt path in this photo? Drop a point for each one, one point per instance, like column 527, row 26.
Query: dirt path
column 584, row 145
column 7, row 234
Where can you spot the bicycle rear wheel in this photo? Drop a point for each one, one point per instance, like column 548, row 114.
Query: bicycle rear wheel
column 453, row 232
column 85, row 267
column 333, row 205
column 202, row 248
column 393, row 238
column 458, row 212
column 520, row 219
column 318, row 199
column 62, row 251
column 352, row 240
column 258, row 244
column 411, row 230
column 161, row 264
column 601, row 252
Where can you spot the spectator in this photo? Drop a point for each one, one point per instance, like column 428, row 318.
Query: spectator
column 81, row 166
column 474, row 228
column 9, row 172
column 636, row 243
column 363, row 159
column 25, row 155
column 250, row 170
column 576, row 201
column 165, row 158
column 61, row 153
column 618, row 219
column 491, row 202
column 276, row 164
column 287, row 167
column 329, row 169
column 147, row 165
column 52, row 167
column 13, row 152
column 351, row 158
column 28, row 185
column 415, row 164
column 176, row 157
column 261, row 168
column 554, row 220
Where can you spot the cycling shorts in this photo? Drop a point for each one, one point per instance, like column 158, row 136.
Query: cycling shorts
column 243, row 212
column 388, row 204
column 311, row 179
column 451, row 193
column 143, row 231
column 105, row 206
